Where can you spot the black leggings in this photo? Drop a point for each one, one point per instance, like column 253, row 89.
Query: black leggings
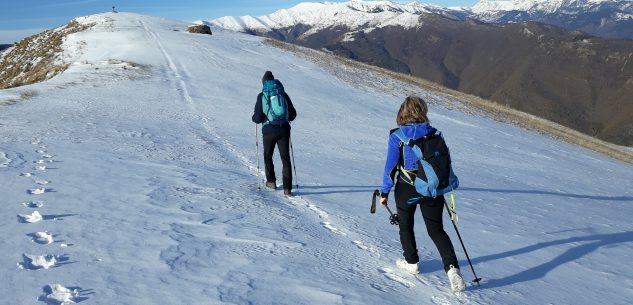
column 282, row 140
column 432, row 213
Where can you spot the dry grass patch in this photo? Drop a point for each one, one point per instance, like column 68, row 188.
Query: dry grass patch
column 469, row 103
column 36, row 58
column 24, row 96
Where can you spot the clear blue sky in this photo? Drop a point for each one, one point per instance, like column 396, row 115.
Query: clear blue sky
column 19, row 19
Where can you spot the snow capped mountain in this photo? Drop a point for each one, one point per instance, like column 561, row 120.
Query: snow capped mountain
column 353, row 14
column 609, row 18
column 392, row 36
column 542, row 6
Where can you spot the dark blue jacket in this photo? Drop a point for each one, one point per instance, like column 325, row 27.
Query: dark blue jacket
column 260, row 117
column 395, row 150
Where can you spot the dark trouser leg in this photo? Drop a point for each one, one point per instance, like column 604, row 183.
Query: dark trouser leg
column 432, row 213
column 284, row 153
column 406, row 213
column 269, row 150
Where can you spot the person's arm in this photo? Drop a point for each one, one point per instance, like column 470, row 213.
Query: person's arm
column 258, row 114
column 391, row 167
column 292, row 113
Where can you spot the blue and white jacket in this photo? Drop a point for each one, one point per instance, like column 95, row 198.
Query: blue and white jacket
column 396, row 149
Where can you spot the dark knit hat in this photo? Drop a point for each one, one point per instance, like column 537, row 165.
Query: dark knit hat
column 267, row 76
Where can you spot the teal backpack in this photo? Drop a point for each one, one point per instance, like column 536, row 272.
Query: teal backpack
column 274, row 103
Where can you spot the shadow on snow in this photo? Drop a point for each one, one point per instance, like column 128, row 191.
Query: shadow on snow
column 592, row 197
column 591, row 243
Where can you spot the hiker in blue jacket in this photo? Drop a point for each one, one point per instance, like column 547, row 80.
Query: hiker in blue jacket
column 414, row 123
column 274, row 110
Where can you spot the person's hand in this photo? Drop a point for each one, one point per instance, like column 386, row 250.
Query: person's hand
column 383, row 200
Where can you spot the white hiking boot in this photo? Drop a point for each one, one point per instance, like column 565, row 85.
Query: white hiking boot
column 457, row 282
column 410, row 268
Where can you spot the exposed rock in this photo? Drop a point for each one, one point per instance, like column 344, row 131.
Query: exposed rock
column 200, row 29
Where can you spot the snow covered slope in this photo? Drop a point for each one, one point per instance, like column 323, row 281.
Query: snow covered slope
column 140, row 163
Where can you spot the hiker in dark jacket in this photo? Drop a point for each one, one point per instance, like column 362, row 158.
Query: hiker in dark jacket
column 275, row 128
column 414, row 123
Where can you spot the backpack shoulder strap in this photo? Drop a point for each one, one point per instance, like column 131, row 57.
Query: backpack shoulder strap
column 409, row 142
column 400, row 134
column 266, row 106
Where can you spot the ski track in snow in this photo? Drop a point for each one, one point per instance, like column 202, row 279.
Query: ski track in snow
column 177, row 77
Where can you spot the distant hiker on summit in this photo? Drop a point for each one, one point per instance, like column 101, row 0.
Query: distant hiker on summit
column 415, row 133
column 274, row 110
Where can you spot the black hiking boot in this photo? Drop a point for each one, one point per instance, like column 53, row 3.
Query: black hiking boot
column 271, row 185
column 288, row 192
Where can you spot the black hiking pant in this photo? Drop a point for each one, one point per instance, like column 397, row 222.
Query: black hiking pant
column 432, row 214
column 282, row 140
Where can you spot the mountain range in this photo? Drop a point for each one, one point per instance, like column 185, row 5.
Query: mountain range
column 606, row 18
column 569, row 77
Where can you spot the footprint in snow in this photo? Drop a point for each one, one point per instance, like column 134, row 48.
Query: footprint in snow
column 40, row 167
column 39, row 191
column 332, row 228
column 46, row 156
column 34, row 262
column 43, row 238
column 322, row 214
column 39, row 161
column 33, row 204
column 42, row 182
column 367, row 248
column 390, row 274
column 441, row 300
column 56, row 294
column 26, row 174
column 39, row 151
column 32, row 218
column 4, row 160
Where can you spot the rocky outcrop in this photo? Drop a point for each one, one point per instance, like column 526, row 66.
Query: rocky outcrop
column 200, row 29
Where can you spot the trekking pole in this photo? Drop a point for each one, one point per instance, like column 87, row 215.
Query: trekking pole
column 450, row 211
column 393, row 218
column 257, row 155
column 293, row 162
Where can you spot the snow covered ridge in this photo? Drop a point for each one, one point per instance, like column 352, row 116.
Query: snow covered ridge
column 185, row 207
column 353, row 14
column 571, row 14
column 605, row 18
column 543, row 6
